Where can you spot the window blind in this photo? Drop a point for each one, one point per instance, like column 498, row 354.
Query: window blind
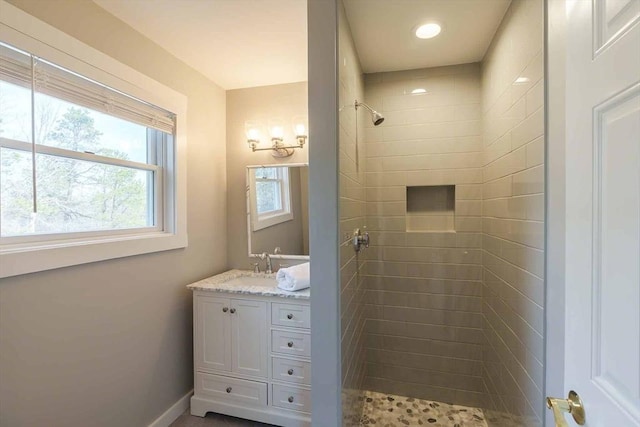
column 50, row 79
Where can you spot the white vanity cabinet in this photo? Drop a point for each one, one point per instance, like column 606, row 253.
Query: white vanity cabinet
column 231, row 335
column 252, row 356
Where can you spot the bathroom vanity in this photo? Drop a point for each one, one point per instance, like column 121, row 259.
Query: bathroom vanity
column 252, row 349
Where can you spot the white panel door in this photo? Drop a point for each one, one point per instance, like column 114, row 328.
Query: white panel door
column 249, row 337
column 212, row 333
column 602, row 329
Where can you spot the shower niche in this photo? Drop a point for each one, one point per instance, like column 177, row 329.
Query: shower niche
column 431, row 208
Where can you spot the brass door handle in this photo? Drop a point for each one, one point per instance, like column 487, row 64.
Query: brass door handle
column 572, row 405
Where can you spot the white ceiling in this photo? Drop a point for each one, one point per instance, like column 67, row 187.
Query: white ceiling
column 383, row 31
column 235, row 43
column 246, row 43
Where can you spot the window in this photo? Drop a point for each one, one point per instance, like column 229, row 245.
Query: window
column 76, row 156
column 89, row 168
column 271, row 197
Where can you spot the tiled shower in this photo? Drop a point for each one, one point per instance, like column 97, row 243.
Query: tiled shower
column 446, row 304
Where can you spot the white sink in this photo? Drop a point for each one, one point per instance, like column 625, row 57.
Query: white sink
column 253, row 281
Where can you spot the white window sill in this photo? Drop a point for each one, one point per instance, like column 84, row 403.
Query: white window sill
column 20, row 259
column 265, row 221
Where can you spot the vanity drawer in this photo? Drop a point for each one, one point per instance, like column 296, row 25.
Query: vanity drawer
column 291, row 343
column 292, row 315
column 292, row 371
column 289, row 397
column 227, row 389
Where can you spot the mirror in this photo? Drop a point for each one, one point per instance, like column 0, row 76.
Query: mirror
column 277, row 210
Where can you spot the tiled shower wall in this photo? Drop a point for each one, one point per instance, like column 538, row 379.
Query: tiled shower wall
column 513, row 213
column 423, row 297
column 352, row 215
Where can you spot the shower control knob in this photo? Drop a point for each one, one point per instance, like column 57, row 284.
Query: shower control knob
column 225, row 309
column 233, row 310
column 290, row 372
column 228, row 389
column 360, row 239
column 289, row 316
column 290, row 399
column 290, row 344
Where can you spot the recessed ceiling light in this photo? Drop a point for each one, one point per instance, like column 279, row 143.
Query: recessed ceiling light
column 521, row 80
column 428, row 31
column 419, row 90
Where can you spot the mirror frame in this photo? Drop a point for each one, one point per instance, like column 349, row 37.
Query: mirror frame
column 248, row 197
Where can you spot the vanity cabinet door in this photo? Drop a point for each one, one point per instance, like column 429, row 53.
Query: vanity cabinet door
column 212, row 333
column 249, row 337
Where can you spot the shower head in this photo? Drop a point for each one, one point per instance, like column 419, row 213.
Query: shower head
column 376, row 117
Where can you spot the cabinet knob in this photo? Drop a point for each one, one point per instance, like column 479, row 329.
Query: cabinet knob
column 233, row 310
column 290, row 344
column 290, row 399
column 225, row 309
column 289, row 316
column 290, row 372
column 228, row 389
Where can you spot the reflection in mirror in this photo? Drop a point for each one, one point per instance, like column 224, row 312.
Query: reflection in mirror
column 277, row 213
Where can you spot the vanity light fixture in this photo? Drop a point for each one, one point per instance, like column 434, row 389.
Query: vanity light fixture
column 276, row 132
column 418, row 91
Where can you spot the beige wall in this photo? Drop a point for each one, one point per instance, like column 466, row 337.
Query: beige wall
column 352, row 215
column 513, row 213
column 423, row 288
column 110, row 343
column 260, row 103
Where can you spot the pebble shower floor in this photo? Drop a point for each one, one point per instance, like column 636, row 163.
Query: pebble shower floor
column 388, row 410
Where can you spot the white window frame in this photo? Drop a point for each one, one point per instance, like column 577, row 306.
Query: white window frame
column 25, row 32
column 271, row 218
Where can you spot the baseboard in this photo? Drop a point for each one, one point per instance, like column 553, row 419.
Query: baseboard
column 172, row 414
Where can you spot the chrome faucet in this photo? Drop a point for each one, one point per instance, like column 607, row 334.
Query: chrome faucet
column 268, row 267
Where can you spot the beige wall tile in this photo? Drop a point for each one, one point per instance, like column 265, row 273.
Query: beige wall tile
column 478, row 130
column 531, row 128
column 535, row 152
column 530, row 181
column 513, row 211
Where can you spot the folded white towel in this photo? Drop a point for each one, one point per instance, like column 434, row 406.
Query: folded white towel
column 294, row 278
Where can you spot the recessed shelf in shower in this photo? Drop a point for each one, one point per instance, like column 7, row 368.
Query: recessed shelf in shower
column 431, row 208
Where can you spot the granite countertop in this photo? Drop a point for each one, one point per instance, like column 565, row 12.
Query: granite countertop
column 219, row 283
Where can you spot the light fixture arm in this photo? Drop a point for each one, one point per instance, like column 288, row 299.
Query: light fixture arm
column 278, row 148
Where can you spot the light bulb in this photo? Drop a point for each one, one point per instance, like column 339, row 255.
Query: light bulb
column 252, row 131
column 277, row 132
column 253, row 134
column 300, row 129
column 428, row 31
column 299, row 125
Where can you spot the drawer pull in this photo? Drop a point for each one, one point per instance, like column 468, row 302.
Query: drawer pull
column 228, row 389
column 290, row 399
column 289, row 316
column 233, row 310
column 290, row 344
column 225, row 309
column 290, row 372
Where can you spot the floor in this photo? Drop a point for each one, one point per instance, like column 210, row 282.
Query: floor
column 213, row 420
column 388, row 410
column 381, row 410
